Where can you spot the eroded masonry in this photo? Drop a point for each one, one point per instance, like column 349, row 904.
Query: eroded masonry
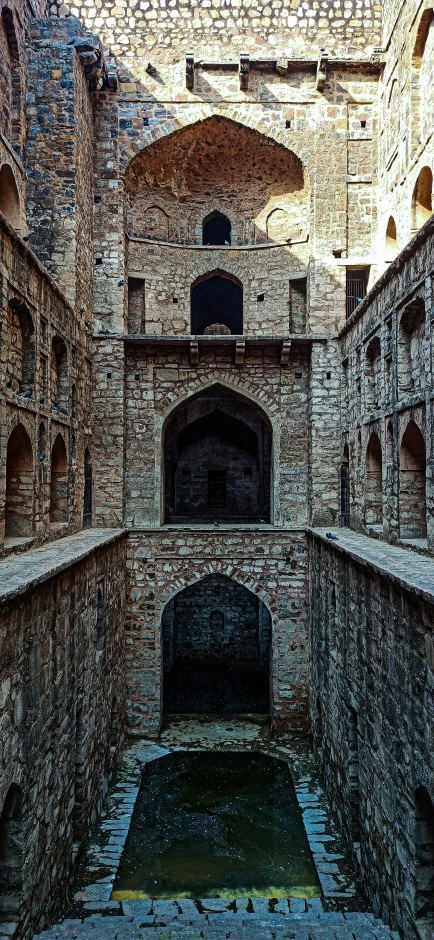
column 216, row 446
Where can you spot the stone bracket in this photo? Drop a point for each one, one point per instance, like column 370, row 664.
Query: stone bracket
column 284, row 352
column 194, row 353
column 244, row 70
column 240, row 352
column 189, row 70
column 321, row 71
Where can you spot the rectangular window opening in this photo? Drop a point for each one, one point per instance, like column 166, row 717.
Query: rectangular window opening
column 216, row 489
column 356, row 288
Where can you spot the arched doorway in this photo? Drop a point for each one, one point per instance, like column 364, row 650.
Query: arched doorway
column 412, row 484
column 217, row 460
column 216, row 229
column 9, row 197
column 374, row 482
column 391, row 249
column 19, row 485
column 217, row 300
column 421, row 206
column 216, row 649
column 59, row 482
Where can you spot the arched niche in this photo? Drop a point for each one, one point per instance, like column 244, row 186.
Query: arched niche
column 216, row 649
column 216, row 299
column 411, row 339
column 216, row 229
column 156, row 224
column 374, row 482
column 412, row 483
column 390, row 248
column 422, row 92
column 19, row 502
column 421, row 203
column 59, row 375
column 59, row 482
column 217, row 460
column 9, row 197
column 373, row 374
column 20, row 366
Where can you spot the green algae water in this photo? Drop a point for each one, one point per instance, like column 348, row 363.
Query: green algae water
column 216, row 825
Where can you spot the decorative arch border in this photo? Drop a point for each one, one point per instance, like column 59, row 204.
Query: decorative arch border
column 198, row 113
column 216, row 272
column 270, row 411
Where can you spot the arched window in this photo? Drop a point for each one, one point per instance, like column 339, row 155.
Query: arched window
column 87, row 496
column 374, row 482
column 424, row 858
column 20, row 366
column 411, row 360
column 11, row 855
column 9, row 197
column 59, row 375
column 421, row 204
column 217, row 300
column 391, row 244
column 19, row 485
column 59, row 482
column 412, row 484
column 373, row 374
column 216, row 230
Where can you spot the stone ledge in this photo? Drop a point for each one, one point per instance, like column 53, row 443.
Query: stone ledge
column 20, row 573
column 412, row 571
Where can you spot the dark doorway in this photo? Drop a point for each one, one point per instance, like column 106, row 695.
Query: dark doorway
column 217, row 300
column 217, row 461
column 216, row 230
column 216, row 650
column 424, row 857
column 11, row 855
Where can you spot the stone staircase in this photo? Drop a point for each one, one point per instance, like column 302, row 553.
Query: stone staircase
column 219, row 919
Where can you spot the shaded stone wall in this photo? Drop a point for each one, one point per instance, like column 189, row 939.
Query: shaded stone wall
column 397, row 317
column 271, row 563
column 372, row 704
column 61, row 636
column 27, row 291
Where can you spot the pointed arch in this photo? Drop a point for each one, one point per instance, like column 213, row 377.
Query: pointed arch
column 216, row 229
column 374, row 482
column 421, row 201
column 19, row 502
column 10, row 204
column 412, row 483
column 216, row 300
column 216, row 648
column 390, row 249
column 59, row 482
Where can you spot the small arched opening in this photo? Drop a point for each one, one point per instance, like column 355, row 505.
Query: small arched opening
column 422, row 97
column 216, row 649
column 19, row 485
column 345, row 487
column 9, row 197
column 391, row 249
column 59, row 482
column 87, row 496
column 20, row 366
column 424, row 859
column 373, row 374
column 217, row 300
column 412, row 484
column 411, row 360
column 421, row 205
column 217, row 457
column 11, row 855
column 374, row 482
column 59, row 375
column 216, row 229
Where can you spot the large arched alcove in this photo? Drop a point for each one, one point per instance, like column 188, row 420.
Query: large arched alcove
column 216, row 649
column 59, row 482
column 421, row 203
column 217, row 460
column 197, row 170
column 374, row 482
column 19, row 500
column 9, row 197
column 217, row 300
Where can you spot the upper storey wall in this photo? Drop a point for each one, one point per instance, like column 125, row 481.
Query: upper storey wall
column 164, row 30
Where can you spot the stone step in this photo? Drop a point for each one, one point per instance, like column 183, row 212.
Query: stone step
column 182, row 920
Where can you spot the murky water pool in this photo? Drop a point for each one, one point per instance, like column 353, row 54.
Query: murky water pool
column 216, row 825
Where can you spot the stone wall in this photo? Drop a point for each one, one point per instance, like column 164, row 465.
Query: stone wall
column 61, row 636
column 51, row 397
column 270, row 563
column 372, row 705
column 386, row 390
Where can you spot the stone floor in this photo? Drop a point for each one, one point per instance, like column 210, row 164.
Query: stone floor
column 340, row 914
